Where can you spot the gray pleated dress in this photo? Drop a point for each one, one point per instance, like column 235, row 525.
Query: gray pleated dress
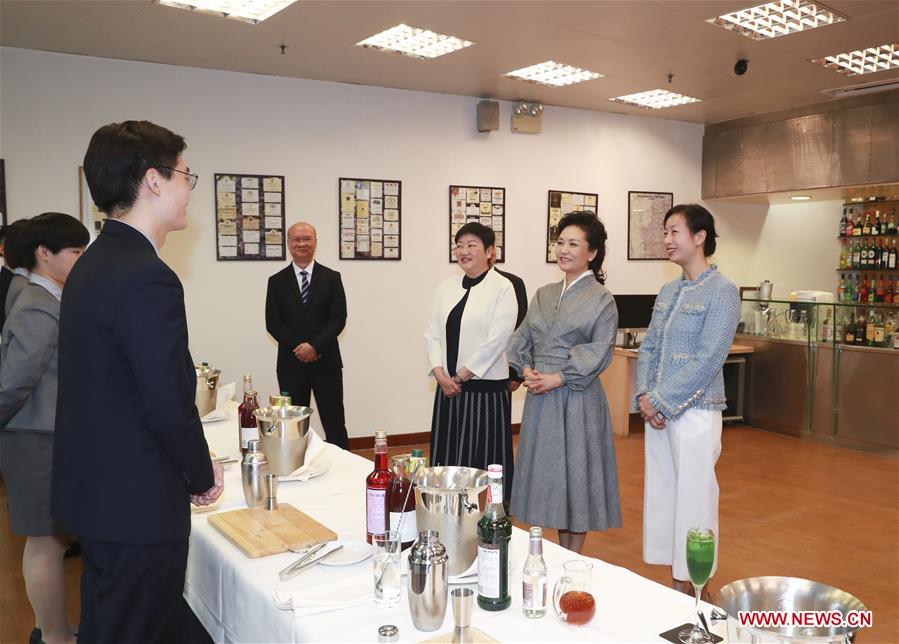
column 565, row 471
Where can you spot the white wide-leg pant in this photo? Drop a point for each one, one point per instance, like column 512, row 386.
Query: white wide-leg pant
column 680, row 489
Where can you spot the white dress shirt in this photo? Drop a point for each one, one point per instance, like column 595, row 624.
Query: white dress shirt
column 308, row 269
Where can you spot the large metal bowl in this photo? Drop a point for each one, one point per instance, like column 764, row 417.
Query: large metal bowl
column 787, row 594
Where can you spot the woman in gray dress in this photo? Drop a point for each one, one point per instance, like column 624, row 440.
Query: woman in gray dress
column 50, row 245
column 565, row 473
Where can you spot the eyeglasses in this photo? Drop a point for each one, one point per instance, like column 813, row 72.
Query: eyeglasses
column 192, row 178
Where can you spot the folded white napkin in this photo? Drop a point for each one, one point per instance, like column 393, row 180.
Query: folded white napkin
column 329, row 592
column 315, row 463
column 223, row 395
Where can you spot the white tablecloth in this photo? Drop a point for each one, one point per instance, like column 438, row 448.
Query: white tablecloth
column 233, row 595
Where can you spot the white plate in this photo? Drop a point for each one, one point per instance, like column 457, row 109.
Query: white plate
column 352, row 553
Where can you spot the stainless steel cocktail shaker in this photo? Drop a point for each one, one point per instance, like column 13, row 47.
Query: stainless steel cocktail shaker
column 253, row 468
column 428, row 581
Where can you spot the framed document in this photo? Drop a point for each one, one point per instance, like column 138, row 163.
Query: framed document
column 249, row 217
column 477, row 203
column 645, row 216
column 558, row 204
column 369, row 219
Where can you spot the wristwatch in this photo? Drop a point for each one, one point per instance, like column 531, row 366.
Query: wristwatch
column 457, row 379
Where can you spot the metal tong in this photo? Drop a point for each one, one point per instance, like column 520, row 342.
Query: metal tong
column 306, row 561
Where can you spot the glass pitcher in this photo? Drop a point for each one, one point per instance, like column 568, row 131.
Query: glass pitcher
column 573, row 597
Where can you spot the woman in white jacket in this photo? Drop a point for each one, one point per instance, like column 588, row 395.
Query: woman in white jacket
column 472, row 318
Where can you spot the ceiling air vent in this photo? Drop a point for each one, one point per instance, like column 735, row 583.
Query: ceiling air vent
column 863, row 88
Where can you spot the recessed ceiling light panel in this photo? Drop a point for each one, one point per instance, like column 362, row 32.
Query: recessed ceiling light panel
column 779, row 18
column 553, row 74
column 418, row 43
column 655, row 99
column 252, row 11
column 800, row 198
column 863, row 61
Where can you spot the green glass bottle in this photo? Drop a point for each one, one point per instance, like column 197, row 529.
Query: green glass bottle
column 494, row 535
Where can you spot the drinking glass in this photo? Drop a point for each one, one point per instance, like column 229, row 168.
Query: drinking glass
column 700, row 559
column 572, row 597
column 387, row 572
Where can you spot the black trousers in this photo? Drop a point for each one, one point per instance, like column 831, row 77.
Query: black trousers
column 327, row 387
column 133, row 594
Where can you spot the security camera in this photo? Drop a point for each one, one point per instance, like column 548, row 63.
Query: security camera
column 741, row 66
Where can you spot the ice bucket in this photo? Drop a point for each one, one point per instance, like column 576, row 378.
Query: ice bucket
column 284, row 436
column 788, row 594
column 451, row 501
column 207, row 388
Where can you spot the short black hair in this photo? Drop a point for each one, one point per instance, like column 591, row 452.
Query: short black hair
column 12, row 244
column 119, row 156
column 479, row 230
column 52, row 230
column 697, row 218
column 596, row 236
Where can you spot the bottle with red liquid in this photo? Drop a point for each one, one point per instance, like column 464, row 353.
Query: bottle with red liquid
column 245, row 418
column 402, row 500
column 377, row 489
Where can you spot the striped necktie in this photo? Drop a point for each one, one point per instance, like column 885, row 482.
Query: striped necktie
column 304, row 288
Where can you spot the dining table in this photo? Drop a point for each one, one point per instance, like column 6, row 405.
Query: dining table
column 241, row 599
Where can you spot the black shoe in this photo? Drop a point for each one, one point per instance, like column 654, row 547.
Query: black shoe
column 35, row 637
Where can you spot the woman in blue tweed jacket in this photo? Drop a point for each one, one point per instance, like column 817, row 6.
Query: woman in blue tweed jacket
column 681, row 391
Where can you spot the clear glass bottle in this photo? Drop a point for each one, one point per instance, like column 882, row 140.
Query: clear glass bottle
column 533, row 577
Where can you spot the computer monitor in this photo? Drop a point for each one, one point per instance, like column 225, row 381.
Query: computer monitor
column 634, row 311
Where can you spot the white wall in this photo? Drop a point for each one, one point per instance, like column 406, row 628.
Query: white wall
column 314, row 132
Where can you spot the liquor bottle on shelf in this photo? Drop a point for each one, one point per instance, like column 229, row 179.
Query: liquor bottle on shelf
column 889, row 328
column 879, row 294
column 844, row 255
column 494, row 535
column 896, row 331
column 857, row 226
column 841, row 289
column 857, row 254
column 246, row 421
column 891, row 224
column 888, row 292
column 878, row 330
column 892, row 261
column 827, row 328
column 533, row 577
column 860, row 325
column 844, row 221
column 856, row 295
column 869, row 329
column 849, row 330
column 875, row 227
column 885, row 254
column 377, row 487
column 866, row 227
column 863, row 291
column 876, row 251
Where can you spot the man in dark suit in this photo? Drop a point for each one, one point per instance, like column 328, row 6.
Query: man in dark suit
column 305, row 311
column 129, row 453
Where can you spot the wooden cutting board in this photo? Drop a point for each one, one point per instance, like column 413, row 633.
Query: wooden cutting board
column 259, row 532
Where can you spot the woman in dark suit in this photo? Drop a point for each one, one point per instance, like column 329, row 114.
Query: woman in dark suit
column 50, row 245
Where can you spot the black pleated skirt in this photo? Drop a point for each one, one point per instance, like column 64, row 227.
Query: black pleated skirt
column 474, row 429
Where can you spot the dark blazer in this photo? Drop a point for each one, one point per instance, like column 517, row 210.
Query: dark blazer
column 318, row 323
column 5, row 279
column 129, row 448
column 521, row 295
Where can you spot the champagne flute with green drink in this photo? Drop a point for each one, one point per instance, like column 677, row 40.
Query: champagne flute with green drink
column 700, row 559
